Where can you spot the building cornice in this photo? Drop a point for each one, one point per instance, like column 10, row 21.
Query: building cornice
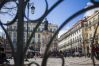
column 75, row 27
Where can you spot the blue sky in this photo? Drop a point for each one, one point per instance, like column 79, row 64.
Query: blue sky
column 66, row 9
column 59, row 14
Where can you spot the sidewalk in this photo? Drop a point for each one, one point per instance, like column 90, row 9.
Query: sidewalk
column 69, row 61
column 80, row 61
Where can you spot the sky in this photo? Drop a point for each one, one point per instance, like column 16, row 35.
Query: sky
column 57, row 16
column 65, row 10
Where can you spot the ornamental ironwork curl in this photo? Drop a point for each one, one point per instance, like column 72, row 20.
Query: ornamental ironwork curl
column 19, row 54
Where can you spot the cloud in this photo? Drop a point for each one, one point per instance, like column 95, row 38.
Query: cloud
column 90, row 12
column 63, row 31
column 89, row 4
column 1, row 31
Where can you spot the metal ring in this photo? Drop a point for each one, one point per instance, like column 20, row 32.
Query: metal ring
column 33, row 63
column 14, row 19
column 94, row 2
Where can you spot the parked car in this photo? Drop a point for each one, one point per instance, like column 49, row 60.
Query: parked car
column 76, row 54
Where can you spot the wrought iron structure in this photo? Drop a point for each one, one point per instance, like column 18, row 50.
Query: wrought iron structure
column 19, row 54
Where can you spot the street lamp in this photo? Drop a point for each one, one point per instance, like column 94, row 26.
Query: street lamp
column 32, row 11
column 32, row 8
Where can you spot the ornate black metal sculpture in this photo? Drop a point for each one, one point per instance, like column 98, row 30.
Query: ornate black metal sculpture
column 19, row 54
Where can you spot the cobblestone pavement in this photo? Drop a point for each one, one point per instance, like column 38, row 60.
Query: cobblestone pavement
column 69, row 61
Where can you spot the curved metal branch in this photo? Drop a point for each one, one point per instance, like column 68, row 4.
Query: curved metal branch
column 4, row 7
column 33, row 63
column 9, row 39
column 94, row 2
column 46, row 9
column 2, row 4
column 5, row 1
column 63, row 24
column 26, row 1
column 46, row 5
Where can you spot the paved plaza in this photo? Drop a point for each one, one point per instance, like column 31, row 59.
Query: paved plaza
column 69, row 61
column 80, row 61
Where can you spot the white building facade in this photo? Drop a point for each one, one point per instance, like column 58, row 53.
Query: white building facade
column 72, row 40
column 38, row 38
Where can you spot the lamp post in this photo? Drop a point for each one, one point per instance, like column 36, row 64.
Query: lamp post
column 32, row 11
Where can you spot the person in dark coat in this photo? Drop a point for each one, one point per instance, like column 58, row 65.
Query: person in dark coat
column 3, row 56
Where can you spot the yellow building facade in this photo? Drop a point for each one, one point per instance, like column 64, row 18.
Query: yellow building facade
column 84, row 31
column 90, row 25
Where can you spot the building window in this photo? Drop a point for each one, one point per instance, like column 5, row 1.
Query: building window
column 54, row 30
column 14, row 34
column 29, row 34
column 10, row 27
column 15, row 27
column 34, row 36
column 24, row 40
column 90, row 35
column 33, row 41
column 24, row 35
column 39, row 36
column 24, row 28
column 32, row 28
column 89, row 28
column 89, row 23
column 10, row 33
column 38, row 41
column 86, row 24
column 51, row 30
column 98, row 35
column 14, row 43
column 29, row 28
column 38, row 29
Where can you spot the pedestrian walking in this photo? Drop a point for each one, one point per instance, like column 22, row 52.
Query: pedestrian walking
column 35, row 56
column 3, row 56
